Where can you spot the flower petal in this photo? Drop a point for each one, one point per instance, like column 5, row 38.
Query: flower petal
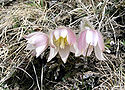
column 32, row 34
column 100, row 41
column 89, row 50
column 74, row 48
column 63, row 33
column 92, row 37
column 64, row 53
column 82, row 45
column 98, row 53
column 29, row 47
column 57, row 34
column 38, row 40
column 51, row 39
column 40, row 49
column 53, row 52
column 71, row 37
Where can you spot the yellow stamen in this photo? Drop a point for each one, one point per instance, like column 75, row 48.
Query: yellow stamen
column 61, row 42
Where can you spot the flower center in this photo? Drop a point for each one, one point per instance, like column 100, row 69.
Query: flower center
column 61, row 42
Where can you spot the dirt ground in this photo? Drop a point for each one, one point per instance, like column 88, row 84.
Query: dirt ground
column 19, row 70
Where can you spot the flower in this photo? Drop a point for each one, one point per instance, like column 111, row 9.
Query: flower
column 90, row 39
column 37, row 41
column 62, row 40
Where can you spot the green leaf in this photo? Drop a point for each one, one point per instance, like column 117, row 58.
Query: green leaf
column 41, row 3
column 108, row 46
column 123, row 42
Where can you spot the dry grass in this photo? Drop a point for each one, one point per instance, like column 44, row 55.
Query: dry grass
column 22, row 18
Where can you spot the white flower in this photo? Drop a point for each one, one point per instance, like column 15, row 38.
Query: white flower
column 37, row 41
column 62, row 40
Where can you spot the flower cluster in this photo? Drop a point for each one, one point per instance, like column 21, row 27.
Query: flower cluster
column 63, row 41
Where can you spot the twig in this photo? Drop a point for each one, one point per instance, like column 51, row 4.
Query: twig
column 36, row 76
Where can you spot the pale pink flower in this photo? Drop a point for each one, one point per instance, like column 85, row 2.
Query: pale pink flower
column 37, row 42
column 62, row 40
column 90, row 39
